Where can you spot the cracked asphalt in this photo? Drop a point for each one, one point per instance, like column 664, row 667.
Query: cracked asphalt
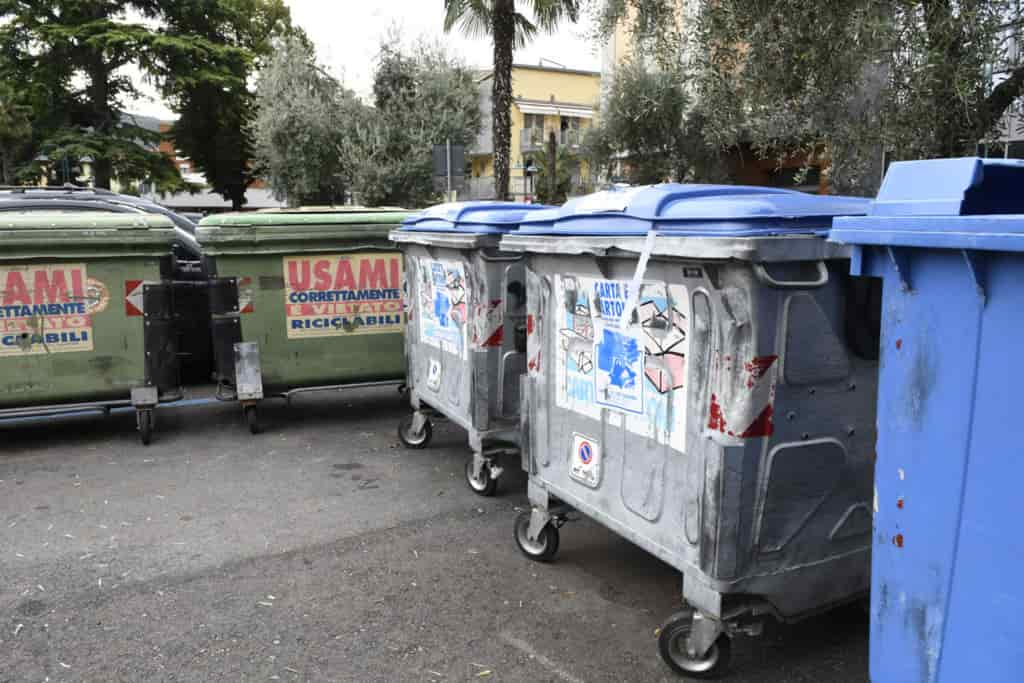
column 321, row 550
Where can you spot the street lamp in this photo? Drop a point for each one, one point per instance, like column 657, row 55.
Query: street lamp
column 529, row 171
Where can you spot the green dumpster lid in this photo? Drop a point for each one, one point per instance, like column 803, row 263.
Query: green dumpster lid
column 44, row 233
column 315, row 229
column 333, row 209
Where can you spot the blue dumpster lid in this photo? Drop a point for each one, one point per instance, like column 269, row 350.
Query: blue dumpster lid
column 471, row 217
column 966, row 203
column 712, row 210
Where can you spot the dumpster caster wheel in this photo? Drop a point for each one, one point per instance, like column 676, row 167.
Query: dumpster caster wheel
column 145, row 421
column 672, row 646
column 484, row 485
column 411, row 439
column 546, row 545
column 252, row 419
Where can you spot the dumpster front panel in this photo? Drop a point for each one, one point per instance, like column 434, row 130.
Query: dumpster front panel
column 321, row 318
column 72, row 331
column 989, row 546
column 465, row 307
column 946, row 553
column 727, row 428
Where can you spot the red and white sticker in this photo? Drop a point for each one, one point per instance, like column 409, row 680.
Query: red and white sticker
column 743, row 405
column 489, row 325
column 533, row 346
column 133, row 300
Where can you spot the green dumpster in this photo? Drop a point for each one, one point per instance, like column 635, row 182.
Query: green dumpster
column 304, row 300
column 86, row 314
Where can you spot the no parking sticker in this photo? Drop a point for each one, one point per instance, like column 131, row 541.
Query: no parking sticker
column 585, row 463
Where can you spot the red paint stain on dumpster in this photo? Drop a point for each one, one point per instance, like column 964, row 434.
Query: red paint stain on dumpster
column 529, row 324
column 898, row 540
column 899, row 503
column 899, row 343
column 717, row 417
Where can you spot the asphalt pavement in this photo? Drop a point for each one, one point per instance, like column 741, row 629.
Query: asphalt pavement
column 322, row 550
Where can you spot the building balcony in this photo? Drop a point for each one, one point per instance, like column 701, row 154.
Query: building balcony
column 570, row 137
column 531, row 139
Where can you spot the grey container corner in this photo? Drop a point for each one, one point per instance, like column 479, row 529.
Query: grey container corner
column 466, row 337
column 466, row 301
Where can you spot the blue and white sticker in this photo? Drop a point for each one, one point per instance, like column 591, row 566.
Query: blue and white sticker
column 585, row 461
column 619, row 376
column 441, row 305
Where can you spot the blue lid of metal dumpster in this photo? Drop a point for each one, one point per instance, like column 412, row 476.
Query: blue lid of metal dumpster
column 708, row 210
column 471, row 217
column 966, row 203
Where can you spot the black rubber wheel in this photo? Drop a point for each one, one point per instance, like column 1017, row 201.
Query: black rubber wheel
column 145, row 421
column 412, row 440
column 546, row 545
column 672, row 648
column 252, row 419
column 485, row 486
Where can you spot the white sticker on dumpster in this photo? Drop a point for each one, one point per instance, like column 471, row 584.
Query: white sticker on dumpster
column 442, row 306
column 585, row 461
column 48, row 308
column 434, row 375
column 333, row 295
column 639, row 370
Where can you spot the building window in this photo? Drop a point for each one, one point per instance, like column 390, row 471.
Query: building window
column 534, row 121
column 570, row 123
column 570, row 131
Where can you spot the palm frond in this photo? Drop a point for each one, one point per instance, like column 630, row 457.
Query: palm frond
column 550, row 13
column 473, row 17
column 525, row 31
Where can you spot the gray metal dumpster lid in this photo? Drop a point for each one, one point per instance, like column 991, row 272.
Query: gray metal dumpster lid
column 471, row 217
column 695, row 210
column 965, row 203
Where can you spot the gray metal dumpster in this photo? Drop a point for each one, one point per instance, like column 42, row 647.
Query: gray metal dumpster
column 692, row 387
column 466, row 309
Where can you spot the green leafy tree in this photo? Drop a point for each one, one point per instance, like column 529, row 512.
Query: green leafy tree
column 15, row 133
column 207, row 55
column 70, row 56
column 843, row 83
column 508, row 28
column 422, row 97
column 650, row 131
column 553, row 179
column 641, row 129
column 303, row 115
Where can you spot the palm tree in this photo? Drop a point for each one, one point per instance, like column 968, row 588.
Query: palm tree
column 509, row 29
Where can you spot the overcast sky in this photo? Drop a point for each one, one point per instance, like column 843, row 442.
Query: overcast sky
column 347, row 34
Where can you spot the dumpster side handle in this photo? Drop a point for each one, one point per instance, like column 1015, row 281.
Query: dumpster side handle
column 765, row 277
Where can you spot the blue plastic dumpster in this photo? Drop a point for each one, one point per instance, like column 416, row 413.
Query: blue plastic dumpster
column 947, row 553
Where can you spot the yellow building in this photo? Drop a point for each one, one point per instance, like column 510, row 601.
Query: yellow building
column 544, row 100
